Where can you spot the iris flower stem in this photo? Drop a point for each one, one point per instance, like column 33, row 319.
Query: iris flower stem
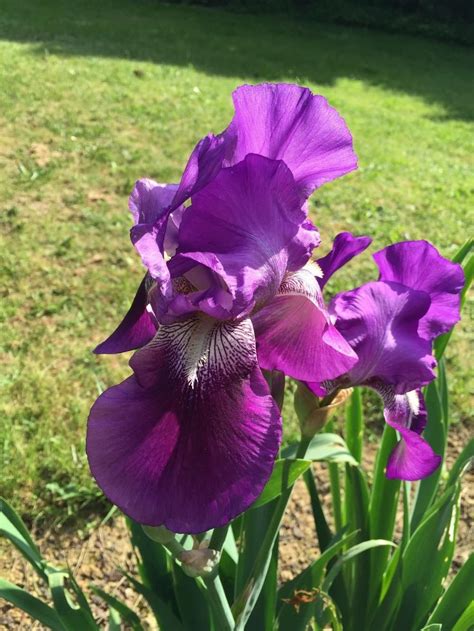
column 218, row 537
column 245, row 603
column 215, row 591
column 219, row 603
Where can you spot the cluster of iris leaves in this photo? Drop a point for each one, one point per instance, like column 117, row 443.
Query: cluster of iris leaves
column 361, row 581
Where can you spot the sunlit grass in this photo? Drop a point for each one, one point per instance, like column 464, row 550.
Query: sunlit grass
column 94, row 97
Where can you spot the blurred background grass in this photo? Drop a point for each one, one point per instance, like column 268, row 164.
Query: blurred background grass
column 94, row 96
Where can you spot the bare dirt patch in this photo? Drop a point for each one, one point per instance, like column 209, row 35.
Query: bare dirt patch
column 43, row 154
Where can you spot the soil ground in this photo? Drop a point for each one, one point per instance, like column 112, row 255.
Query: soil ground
column 96, row 557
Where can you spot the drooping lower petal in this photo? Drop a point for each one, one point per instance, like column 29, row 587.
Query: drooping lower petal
column 136, row 329
column 412, row 458
column 419, row 265
column 344, row 248
column 242, row 226
column 190, row 440
column 295, row 334
column 287, row 122
column 380, row 322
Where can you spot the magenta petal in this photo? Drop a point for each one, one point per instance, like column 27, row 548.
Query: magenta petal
column 194, row 444
column 149, row 243
column 149, row 204
column 243, row 226
column 303, row 244
column 417, row 264
column 149, row 200
column 380, row 322
column 345, row 247
column 136, row 329
column 203, row 165
column 295, row 335
column 287, row 122
column 412, row 458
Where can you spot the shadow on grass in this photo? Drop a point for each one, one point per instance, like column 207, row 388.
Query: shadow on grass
column 248, row 47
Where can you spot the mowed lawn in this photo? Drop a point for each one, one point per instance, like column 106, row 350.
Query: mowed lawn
column 95, row 95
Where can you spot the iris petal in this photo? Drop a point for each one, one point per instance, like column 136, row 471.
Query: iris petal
column 205, row 161
column 287, row 122
column 380, row 322
column 295, row 334
column 412, row 458
column 189, row 440
column 242, row 226
column 344, row 248
column 136, row 329
column 149, row 204
column 417, row 264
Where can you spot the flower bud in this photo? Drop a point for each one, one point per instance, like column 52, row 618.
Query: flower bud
column 312, row 417
column 199, row 562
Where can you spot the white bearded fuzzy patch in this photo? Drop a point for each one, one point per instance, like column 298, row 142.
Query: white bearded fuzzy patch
column 314, row 268
column 414, row 403
column 302, row 283
column 208, row 352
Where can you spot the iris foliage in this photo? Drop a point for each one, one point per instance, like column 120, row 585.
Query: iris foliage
column 361, row 579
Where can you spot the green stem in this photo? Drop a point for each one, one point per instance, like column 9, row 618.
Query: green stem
column 215, row 591
column 218, row 538
column 220, row 606
column 245, row 603
column 174, row 547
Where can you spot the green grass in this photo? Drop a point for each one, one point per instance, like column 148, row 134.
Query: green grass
column 95, row 95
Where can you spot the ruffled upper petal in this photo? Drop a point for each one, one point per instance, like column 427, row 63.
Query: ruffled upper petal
column 287, row 122
column 380, row 322
column 295, row 334
column 136, row 329
column 412, row 458
column 419, row 265
column 190, row 440
column 205, row 162
column 243, row 226
column 344, row 248
column 149, row 200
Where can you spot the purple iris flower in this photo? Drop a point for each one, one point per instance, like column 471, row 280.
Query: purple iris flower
column 190, row 439
column 391, row 324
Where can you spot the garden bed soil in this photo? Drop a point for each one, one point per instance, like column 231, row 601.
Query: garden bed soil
column 96, row 557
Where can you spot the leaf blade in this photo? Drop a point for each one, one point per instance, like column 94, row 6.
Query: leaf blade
column 34, row 607
column 285, row 473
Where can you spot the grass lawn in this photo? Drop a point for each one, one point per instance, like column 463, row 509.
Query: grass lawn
column 94, row 95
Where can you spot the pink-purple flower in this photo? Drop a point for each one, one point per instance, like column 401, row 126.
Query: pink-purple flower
column 190, row 438
column 391, row 324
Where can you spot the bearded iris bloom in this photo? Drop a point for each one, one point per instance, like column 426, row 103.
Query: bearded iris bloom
column 391, row 324
column 190, row 438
